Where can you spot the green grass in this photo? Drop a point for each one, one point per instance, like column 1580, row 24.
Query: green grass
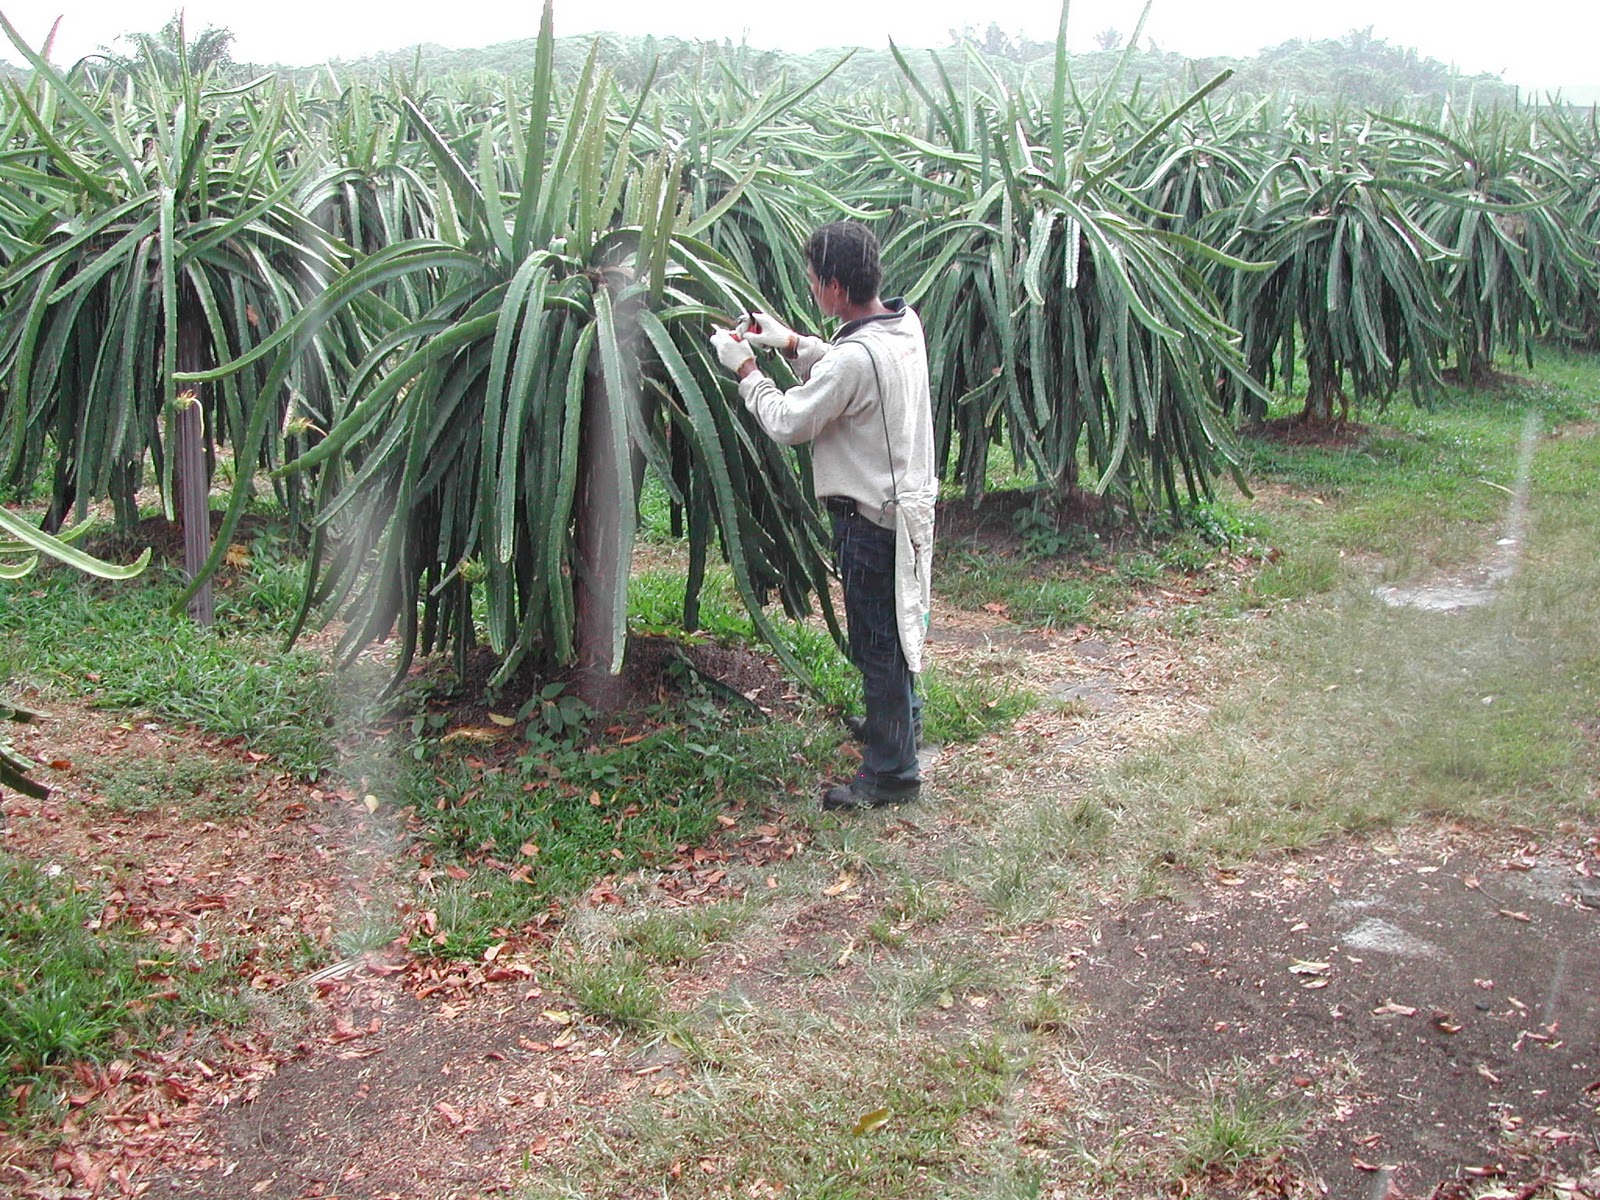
column 1076, row 577
column 65, row 989
column 783, row 1109
column 470, row 915
column 195, row 786
column 1313, row 571
column 655, row 604
column 71, row 991
column 919, row 901
column 1233, row 1121
column 1372, row 717
column 963, row 709
column 912, row 982
column 956, row 709
column 121, row 647
column 677, row 937
column 1332, row 713
column 1417, row 489
column 1045, row 594
column 545, row 825
column 1021, row 868
column 365, row 928
column 1352, row 715
column 613, row 985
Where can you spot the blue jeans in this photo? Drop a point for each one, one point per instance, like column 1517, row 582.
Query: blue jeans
column 865, row 557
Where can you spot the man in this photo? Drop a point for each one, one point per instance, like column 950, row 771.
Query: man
column 864, row 406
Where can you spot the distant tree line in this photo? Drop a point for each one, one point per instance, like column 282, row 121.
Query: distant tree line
column 1357, row 70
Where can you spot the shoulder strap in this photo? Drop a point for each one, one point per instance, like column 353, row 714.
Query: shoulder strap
column 888, row 444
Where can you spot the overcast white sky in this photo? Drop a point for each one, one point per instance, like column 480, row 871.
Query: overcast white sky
column 1536, row 43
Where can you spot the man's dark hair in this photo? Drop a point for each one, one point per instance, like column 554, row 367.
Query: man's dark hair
column 846, row 252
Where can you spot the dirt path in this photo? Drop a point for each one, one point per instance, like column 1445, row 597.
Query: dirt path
column 1435, row 996
column 1427, row 1005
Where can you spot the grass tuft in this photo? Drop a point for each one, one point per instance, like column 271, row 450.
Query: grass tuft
column 613, row 985
column 1234, row 1122
column 671, row 939
column 191, row 783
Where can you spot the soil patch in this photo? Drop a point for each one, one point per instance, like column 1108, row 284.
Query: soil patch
column 991, row 522
column 1297, row 431
column 416, row 1099
column 1485, row 377
column 164, row 538
column 1433, row 1004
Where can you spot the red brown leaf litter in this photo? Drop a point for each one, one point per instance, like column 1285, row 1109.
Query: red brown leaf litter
column 1431, row 998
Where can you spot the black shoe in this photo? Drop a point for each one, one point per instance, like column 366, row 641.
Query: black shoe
column 859, row 794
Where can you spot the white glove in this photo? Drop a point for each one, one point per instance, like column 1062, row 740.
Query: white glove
column 731, row 349
column 763, row 329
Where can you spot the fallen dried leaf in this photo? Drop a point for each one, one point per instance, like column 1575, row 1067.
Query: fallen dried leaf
column 876, row 1119
column 1390, row 1009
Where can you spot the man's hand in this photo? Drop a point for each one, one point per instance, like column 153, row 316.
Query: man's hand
column 733, row 352
column 763, row 329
